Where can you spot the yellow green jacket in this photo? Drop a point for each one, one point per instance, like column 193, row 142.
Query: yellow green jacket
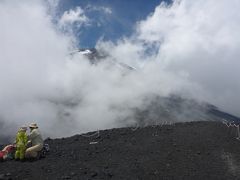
column 21, row 139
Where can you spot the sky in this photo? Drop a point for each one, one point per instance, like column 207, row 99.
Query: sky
column 188, row 48
column 108, row 20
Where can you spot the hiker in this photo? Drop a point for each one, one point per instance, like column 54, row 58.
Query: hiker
column 36, row 141
column 21, row 143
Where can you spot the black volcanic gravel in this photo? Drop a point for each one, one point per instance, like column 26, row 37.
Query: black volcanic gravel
column 194, row 151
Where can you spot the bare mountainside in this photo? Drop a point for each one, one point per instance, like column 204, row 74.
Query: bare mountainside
column 194, row 150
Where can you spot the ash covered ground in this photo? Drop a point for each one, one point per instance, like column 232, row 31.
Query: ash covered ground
column 193, row 150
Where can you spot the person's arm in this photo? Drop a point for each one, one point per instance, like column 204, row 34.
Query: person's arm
column 32, row 135
column 16, row 140
column 25, row 139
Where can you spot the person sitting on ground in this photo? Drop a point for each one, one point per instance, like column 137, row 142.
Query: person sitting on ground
column 36, row 141
column 21, row 143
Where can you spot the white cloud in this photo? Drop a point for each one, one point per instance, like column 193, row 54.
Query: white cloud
column 104, row 9
column 79, row 17
column 72, row 16
column 199, row 39
column 32, row 53
column 197, row 55
column 41, row 83
column 107, row 10
column 52, row 6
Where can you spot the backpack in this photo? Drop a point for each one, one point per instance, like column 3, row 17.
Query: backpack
column 2, row 154
column 44, row 151
column 7, row 153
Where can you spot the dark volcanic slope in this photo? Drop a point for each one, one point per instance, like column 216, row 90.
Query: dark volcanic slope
column 197, row 150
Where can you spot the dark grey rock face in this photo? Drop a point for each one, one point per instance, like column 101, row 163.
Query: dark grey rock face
column 194, row 150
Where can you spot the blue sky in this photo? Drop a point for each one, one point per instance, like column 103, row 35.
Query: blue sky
column 121, row 21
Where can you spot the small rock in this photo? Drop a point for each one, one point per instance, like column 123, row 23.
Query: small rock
column 72, row 173
column 122, row 133
column 48, row 139
column 107, row 137
column 94, row 174
column 110, row 175
column 48, row 170
column 94, row 142
column 98, row 137
column 8, row 174
column 198, row 152
column 66, row 177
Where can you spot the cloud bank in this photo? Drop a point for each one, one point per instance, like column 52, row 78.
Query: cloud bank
column 190, row 48
column 196, row 39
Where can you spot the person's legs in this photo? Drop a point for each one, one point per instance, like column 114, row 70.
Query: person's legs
column 17, row 153
column 32, row 152
column 22, row 153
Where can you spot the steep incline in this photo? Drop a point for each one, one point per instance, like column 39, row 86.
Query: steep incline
column 195, row 150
